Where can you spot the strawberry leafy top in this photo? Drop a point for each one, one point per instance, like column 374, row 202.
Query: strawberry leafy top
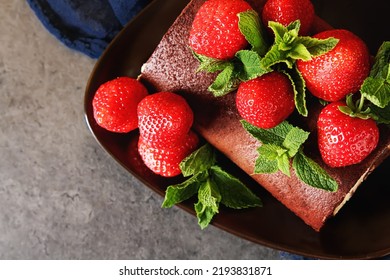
column 375, row 89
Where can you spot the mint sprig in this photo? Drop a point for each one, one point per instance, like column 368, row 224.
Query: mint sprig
column 312, row 174
column 213, row 186
column 289, row 46
column 299, row 88
column 246, row 63
column 283, row 144
column 376, row 88
column 263, row 58
column 250, row 66
column 253, row 31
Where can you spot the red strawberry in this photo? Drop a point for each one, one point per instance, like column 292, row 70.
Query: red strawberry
column 115, row 104
column 266, row 101
column 341, row 71
column 165, row 161
column 287, row 11
column 344, row 140
column 164, row 119
column 215, row 31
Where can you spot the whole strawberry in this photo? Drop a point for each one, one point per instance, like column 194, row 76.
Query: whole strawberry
column 165, row 161
column 266, row 101
column 214, row 32
column 115, row 104
column 164, row 119
column 340, row 71
column 344, row 140
column 287, row 11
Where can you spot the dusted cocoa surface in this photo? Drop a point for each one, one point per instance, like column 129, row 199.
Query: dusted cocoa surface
column 173, row 68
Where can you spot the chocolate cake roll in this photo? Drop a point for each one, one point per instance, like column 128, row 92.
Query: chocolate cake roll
column 172, row 67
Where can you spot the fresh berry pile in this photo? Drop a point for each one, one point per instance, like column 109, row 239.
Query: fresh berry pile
column 267, row 59
column 164, row 120
column 270, row 74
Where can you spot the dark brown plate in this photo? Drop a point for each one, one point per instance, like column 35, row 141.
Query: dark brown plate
column 361, row 230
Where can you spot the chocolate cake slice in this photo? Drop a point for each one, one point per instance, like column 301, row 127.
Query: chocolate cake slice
column 172, row 67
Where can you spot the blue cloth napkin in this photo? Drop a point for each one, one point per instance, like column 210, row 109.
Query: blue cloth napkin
column 87, row 26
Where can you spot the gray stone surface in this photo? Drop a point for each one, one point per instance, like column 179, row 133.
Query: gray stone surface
column 61, row 195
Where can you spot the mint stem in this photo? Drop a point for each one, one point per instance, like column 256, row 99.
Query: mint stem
column 361, row 103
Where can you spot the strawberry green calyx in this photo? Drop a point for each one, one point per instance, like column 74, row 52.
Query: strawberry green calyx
column 355, row 109
column 212, row 184
column 374, row 101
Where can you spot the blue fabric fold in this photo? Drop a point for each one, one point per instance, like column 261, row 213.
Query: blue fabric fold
column 87, row 26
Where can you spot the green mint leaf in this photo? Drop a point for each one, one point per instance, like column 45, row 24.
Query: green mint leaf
column 198, row 161
column 299, row 87
column 279, row 145
column 251, row 65
column 204, row 214
column 293, row 28
column 274, row 157
column 380, row 115
column 284, row 164
column 208, row 202
column 274, row 135
column 376, row 88
column 284, row 46
column 271, row 151
column 312, row 174
column 265, row 165
column 289, row 46
column 282, row 143
column 209, row 64
column 295, row 138
column 275, row 56
column 381, row 64
column 279, row 31
column 316, row 47
column 234, row 193
column 299, row 51
column 250, row 27
column 225, row 82
column 183, row 191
